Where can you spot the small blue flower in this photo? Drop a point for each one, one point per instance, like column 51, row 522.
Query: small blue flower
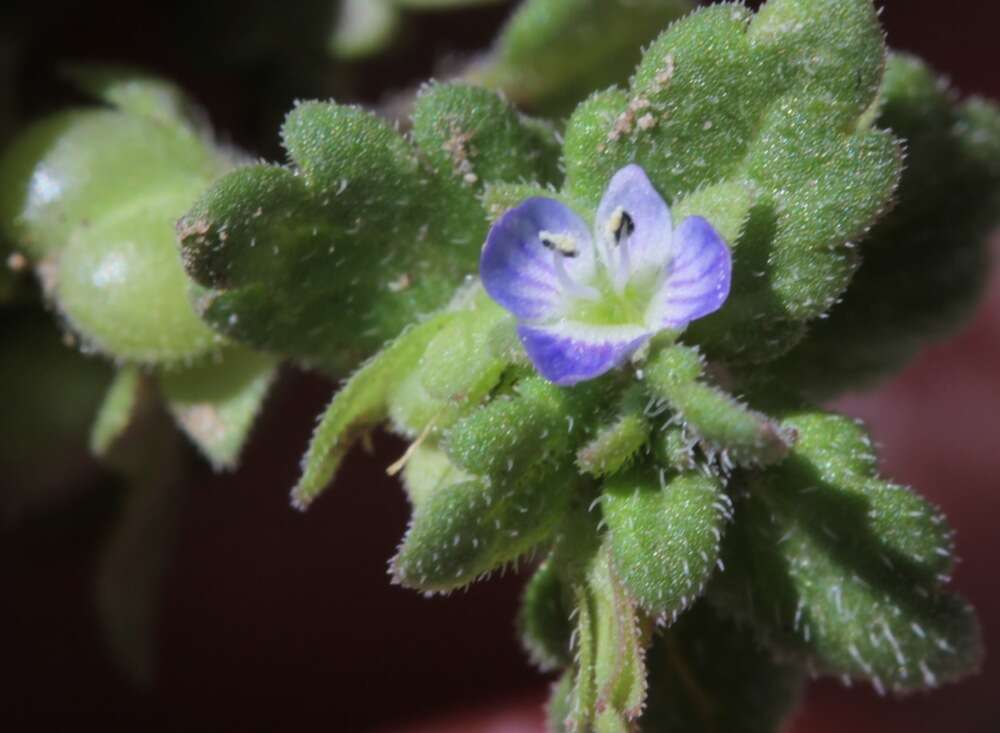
column 585, row 303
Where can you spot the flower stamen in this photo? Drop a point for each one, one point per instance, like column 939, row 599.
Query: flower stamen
column 564, row 244
column 574, row 288
column 618, row 230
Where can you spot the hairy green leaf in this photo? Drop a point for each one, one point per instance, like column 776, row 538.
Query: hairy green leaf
column 457, row 370
column 774, row 104
column 725, row 426
column 427, row 470
column 845, row 569
column 925, row 265
column 610, row 635
column 466, row 530
column 614, row 446
column 560, row 704
column 544, row 618
column 327, row 259
column 620, row 648
column 539, row 424
column 359, row 406
column 664, row 534
column 471, row 135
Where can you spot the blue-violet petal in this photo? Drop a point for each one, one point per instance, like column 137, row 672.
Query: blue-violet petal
column 631, row 194
column 565, row 358
column 698, row 279
column 532, row 255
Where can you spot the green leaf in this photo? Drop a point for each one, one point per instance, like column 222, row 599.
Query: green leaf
column 726, row 204
column 664, row 532
column 560, row 704
column 441, row 4
column 584, row 698
column 614, row 446
column 271, row 245
column 725, row 426
column 499, row 197
column 544, row 618
column 610, row 641
column 456, row 371
column 116, row 410
column 709, row 675
column 472, row 135
column 359, row 406
column 552, row 53
column 539, row 424
column 847, row 570
column 925, row 265
column 91, row 196
column 120, row 285
column 71, row 168
column 133, row 560
column 216, row 403
column 619, row 663
column 466, row 530
column 364, row 27
column 135, row 93
column 772, row 104
column 50, row 395
column 427, row 470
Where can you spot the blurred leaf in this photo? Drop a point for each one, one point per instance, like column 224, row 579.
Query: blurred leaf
column 68, row 169
column 117, row 410
column 708, row 675
column 441, row 4
column 216, row 403
column 364, row 27
column 90, row 196
column 135, row 93
column 120, row 285
column 552, row 53
column 49, row 395
column 132, row 563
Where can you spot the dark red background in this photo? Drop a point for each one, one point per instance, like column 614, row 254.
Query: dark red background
column 277, row 620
